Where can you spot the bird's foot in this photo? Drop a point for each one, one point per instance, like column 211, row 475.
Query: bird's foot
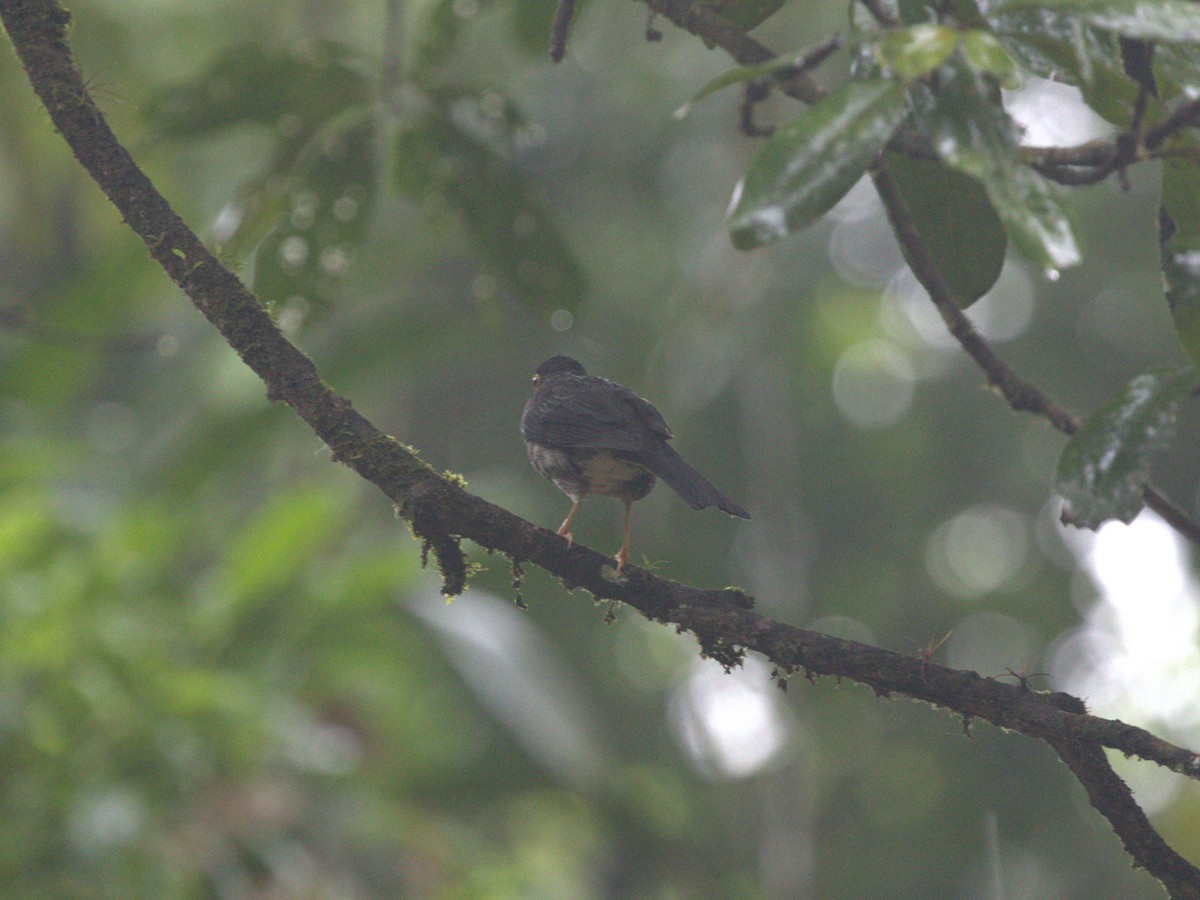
column 562, row 532
column 622, row 558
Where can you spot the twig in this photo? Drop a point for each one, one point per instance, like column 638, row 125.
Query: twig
column 1020, row 394
column 704, row 22
column 1099, row 159
column 1181, row 117
column 392, row 60
column 878, row 13
column 559, row 28
column 759, row 89
column 1112, row 797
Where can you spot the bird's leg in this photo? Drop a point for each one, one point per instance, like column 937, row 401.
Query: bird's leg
column 623, row 553
column 562, row 529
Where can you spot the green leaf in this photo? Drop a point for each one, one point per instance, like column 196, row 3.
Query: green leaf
column 957, row 221
column 292, row 91
column 1104, row 468
column 274, row 547
column 984, row 53
column 1176, row 69
column 1179, row 235
column 326, row 207
column 1062, row 48
column 431, row 29
column 500, row 208
column 913, row 51
column 810, row 164
column 971, row 132
column 1170, row 21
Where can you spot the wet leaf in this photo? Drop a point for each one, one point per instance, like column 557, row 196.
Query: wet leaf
column 913, row 51
column 1176, row 69
column 810, row 164
column 1105, row 466
column 1062, row 48
column 1170, row 21
column 1180, row 243
column 984, row 53
column 970, row 131
column 957, row 221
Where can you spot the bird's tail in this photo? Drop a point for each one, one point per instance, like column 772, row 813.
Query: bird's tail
column 696, row 490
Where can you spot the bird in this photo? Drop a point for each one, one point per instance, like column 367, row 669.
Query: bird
column 592, row 436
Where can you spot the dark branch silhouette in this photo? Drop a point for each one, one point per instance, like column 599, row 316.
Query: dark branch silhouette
column 559, row 28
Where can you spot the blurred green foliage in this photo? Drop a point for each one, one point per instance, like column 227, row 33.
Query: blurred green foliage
column 223, row 671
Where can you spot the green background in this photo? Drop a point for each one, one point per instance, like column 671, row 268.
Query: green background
column 222, row 670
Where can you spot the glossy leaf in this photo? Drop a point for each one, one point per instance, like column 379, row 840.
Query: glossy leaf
column 1104, row 468
column 1180, row 243
column 1176, row 69
column 984, row 53
column 1062, row 48
column 810, row 164
column 913, row 51
column 957, row 221
column 1170, row 21
column 971, row 132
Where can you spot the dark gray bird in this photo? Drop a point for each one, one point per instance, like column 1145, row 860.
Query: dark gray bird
column 590, row 435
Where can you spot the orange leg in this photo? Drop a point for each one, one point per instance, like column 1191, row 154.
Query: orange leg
column 623, row 553
column 562, row 529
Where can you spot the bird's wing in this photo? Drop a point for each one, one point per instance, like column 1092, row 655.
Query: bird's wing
column 585, row 411
column 646, row 411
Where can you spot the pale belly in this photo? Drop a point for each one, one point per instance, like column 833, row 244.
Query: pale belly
column 585, row 472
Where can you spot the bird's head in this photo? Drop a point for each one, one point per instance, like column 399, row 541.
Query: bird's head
column 554, row 366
